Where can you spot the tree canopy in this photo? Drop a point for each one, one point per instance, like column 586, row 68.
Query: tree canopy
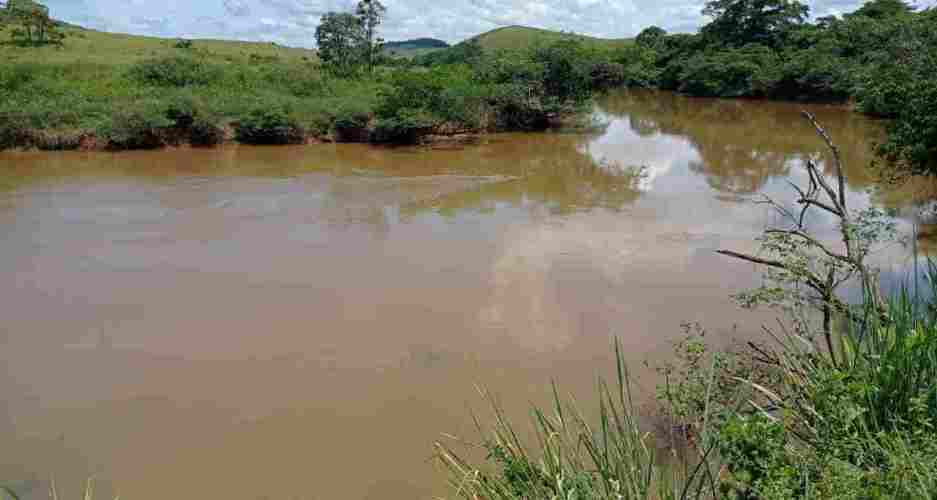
column 339, row 37
column 348, row 40
column 737, row 23
column 883, row 9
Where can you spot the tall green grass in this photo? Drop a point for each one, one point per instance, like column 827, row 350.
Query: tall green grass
column 576, row 457
column 861, row 425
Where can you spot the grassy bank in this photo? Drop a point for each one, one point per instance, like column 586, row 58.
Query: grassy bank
column 781, row 422
column 202, row 95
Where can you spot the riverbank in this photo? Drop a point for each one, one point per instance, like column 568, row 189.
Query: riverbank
column 199, row 97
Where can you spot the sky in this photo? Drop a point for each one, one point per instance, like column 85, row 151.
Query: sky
column 293, row 22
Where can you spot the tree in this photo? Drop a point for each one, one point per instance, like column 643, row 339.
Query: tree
column 370, row 14
column 340, row 37
column 883, row 9
column 741, row 22
column 805, row 270
column 650, row 37
column 37, row 27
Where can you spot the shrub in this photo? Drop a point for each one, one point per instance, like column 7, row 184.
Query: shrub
column 741, row 72
column 176, row 71
column 190, row 116
column 270, row 124
column 565, row 76
column 606, row 75
column 13, row 130
column 407, row 126
column 516, row 109
column 758, row 468
column 351, row 122
column 352, row 116
column 140, row 127
column 814, row 75
column 912, row 137
column 411, row 106
column 639, row 66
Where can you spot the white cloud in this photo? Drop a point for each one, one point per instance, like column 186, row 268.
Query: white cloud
column 293, row 22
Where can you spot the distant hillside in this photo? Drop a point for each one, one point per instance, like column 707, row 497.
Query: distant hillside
column 414, row 47
column 417, row 43
column 514, row 38
column 523, row 37
column 86, row 45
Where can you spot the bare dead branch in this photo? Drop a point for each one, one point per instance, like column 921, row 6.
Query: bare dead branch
column 837, row 159
column 834, row 199
column 766, row 200
column 820, row 204
column 764, row 356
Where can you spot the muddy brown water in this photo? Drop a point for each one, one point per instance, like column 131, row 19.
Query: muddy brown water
column 304, row 322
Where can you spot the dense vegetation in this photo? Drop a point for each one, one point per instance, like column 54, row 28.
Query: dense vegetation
column 881, row 57
column 192, row 92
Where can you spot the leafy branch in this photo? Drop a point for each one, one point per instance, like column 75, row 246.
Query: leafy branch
column 805, row 269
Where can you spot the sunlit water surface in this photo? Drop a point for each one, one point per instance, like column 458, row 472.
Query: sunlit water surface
column 303, row 322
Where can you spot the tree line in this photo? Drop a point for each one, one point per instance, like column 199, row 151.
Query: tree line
column 881, row 57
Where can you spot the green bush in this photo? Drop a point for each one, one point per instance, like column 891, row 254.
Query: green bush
column 814, row 75
column 176, row 71
column 412, row 105
column 639, row 64
column 758, row 464
column 190, row 116
column 912, row 137
column 352, row 115
column 407, row 126
column 270, row 124
column 515, row 109
column 606, row 75
column 566, row 66
column 13, row 130
column 140, row 127
column 744, row 72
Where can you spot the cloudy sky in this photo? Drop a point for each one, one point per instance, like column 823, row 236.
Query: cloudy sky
column 293, row 22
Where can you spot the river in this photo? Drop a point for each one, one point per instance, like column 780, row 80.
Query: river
column 304, row 322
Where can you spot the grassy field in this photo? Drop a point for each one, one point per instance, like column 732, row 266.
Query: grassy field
column 83, row 45
column 98, row 47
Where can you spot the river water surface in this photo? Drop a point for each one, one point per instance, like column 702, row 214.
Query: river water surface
column 304, row 322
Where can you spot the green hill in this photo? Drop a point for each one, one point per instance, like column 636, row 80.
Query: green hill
column 414, row 47
column 417, row 43
column 514, row 38
column 84, row 45
column 523, row 37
